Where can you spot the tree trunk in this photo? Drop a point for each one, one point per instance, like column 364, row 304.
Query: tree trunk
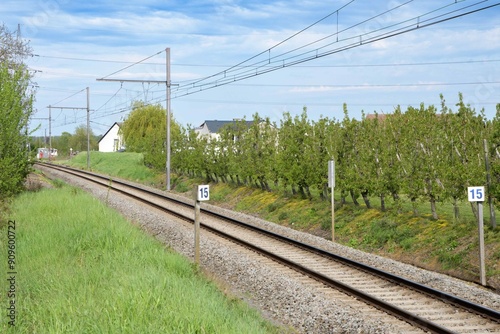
column 382, row 203
column 473, row 206
column 456, row 209
column 267, row 186
column 432, row 199
column 308, row 192
column 414, row 205
column 262, row 184
column 343, row 199
column 493, row 219
column 325, row 193
column 364, row 194
column 354, row 200
column 301, row 192
column 433, row 208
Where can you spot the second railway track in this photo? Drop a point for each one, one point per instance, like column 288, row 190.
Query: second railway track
column 424, row 308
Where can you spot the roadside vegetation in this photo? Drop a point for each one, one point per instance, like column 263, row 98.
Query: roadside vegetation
column 123, row 165
column 82, row 268
column 448, row 245
column 16, row 108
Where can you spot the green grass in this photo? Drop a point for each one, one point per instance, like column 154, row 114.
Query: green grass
column 81, row 268
column 446, row 245
column 126, row 165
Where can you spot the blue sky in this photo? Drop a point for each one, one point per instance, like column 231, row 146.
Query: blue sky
column 77, row 42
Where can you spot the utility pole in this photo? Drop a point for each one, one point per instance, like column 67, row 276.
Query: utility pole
column 88, row 122
column 167, row 166
column 88, row 129
column 50, row 133
column 168, row 85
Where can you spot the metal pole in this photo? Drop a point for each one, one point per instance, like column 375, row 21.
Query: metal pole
column 167, row 167
column 88, row 129
column 50, row 133
column 481, row 243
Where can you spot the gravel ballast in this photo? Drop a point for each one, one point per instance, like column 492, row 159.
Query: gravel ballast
column 282, row 299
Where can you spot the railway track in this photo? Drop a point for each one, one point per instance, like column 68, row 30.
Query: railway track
column 424, row 308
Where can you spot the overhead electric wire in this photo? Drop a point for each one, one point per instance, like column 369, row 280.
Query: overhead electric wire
column 277, row 44
column 119, row 89
column 129, row 66
column 373, row 85
column 54, row 105
column 265, row 62
column 355, row 44
column 303, row 66
column 196, row 86
column 274, row 63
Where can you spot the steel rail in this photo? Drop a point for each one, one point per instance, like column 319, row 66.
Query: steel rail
column 400, row 313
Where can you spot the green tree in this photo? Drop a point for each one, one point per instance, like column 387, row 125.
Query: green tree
column 295, row 138
column 16, row 101
column 78, row 141
column 62, row 144
column 144, row 131
column 348, row 166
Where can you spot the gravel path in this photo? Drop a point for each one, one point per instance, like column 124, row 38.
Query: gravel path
column 284, row 300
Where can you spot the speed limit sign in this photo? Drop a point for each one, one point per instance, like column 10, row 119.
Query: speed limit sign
column 476, row 194
column 203, row 193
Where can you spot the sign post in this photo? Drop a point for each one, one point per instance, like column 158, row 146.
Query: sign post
column 331, row 184
column 476, row 194
column 202, row 194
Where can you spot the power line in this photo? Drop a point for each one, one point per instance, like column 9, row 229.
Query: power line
column 373, row 85
column 69, row 97
column 299, row 66
column 138, row 62
column 222, row 78
column 361, row 86
column 116, row 93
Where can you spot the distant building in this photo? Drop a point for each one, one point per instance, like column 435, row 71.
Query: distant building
column 210, row 129
column 112, row 140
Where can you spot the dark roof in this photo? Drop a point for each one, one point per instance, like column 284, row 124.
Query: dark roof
column 104, row 135
column 381, row 117
column 215, row 126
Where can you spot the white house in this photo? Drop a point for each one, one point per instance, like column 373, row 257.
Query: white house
column 112, row 140
column 210, row 129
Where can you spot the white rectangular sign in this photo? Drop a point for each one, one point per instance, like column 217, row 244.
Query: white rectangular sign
column 476, row 194
column 203, row 193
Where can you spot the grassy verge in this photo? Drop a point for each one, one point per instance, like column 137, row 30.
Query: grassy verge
column 124, row 164
column 81, row 268
column 444, row 245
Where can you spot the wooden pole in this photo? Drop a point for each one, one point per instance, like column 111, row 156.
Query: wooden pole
column 481, row 243
column 493, row 220
column 196, row 227
column 333, row 215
